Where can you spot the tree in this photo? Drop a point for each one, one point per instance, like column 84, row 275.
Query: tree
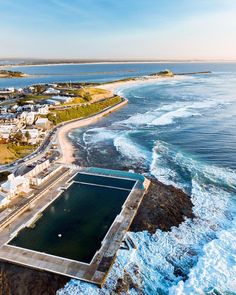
column 18, row 136
column 27, row 135
column 87, row 96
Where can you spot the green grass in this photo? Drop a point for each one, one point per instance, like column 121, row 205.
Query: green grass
column 21, row 151
column 32, row 97
column 10, row 152
column 59, row 116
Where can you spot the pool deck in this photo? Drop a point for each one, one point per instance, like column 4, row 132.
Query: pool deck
column 94, row 272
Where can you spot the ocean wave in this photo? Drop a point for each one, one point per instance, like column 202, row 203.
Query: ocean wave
column 180, row 250
column 132, row 151
column 95, row 135
column 169, row 117
column 215, row 270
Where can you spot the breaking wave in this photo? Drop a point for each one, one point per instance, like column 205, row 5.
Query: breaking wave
column 127, row 148
column 168, row 113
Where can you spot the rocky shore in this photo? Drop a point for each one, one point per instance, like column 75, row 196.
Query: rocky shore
column 162, row 207
column 19, row 280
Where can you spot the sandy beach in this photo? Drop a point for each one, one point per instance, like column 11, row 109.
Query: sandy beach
column 65, row 146
column 135, row 81
column 64, row 143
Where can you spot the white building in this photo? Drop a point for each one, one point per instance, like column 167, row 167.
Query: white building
column 51, row 90
column 14, row 186
column 52, row 102
column 62, row 99
column 9, row 90
column 42, row 110
column 30, row 116
column 6, row 130
column 33, row 134
column 42, row 123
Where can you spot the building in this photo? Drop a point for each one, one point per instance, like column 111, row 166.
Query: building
column 35, row 169
column 38, row 173
column 42, row 123
column 52, row 102
column 33, row 135
column 9, row 90
column 6, row 130
column 62, row 99
column 8, row 118
column 52, row 91
column 44, row 175
column 42, row 110
column 33, row 176
column 30, row 117
column 14, row 186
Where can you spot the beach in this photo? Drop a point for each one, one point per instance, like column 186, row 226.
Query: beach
column 65, row 146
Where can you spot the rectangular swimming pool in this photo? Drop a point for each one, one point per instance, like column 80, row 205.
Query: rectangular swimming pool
column 74, row 225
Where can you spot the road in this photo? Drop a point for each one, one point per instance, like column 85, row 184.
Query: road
column 40, row 153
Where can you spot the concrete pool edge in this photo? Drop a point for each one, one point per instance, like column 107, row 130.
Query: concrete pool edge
column 97, row 270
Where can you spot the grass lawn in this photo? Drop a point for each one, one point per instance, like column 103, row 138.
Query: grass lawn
column 76, row 112
column 32, row 97
column 87, row 90
column 6, row 155
column 11, row 152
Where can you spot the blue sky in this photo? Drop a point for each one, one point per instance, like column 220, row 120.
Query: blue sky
column 118, row 29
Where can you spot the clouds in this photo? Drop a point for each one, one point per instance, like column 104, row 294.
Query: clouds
column 118, row 29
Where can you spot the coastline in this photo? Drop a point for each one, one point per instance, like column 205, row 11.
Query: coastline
column 115, row 62
column 143, row 80
column 65, row 145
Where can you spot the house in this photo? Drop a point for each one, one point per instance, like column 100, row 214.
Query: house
column 52, row 102
column 14, row 186
column 25, row 108
column 51, row 90
column 9, row 90
column 6, row 130
column 33, row 135
column 62, row 99
column 42, row 123
column 20, row 90
column 42, row 109
column 8, row 118
column 30, row 117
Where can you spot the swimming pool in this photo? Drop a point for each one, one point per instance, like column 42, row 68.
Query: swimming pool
column 74, row 225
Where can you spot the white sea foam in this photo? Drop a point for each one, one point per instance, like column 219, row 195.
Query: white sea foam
column 168, row 113
column 127, row 148
column 216, row 268
column 96, row 135
column 169, row 117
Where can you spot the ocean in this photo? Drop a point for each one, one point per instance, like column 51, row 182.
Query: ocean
column 181, row 131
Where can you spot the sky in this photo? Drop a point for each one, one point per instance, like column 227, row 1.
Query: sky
column 118, row 29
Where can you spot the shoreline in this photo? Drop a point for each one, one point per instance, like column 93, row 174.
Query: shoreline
column 62, row 134
column 143, row 80
column 65, row 145
column 116, row 62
